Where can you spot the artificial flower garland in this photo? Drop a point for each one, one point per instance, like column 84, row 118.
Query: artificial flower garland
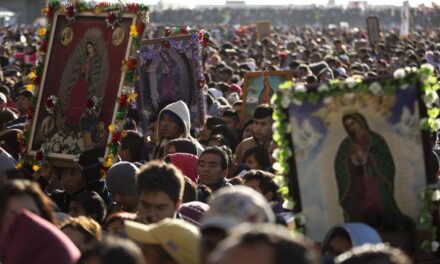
column 71, row 10
column 297, row 94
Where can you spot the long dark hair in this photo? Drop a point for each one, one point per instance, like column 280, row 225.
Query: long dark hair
column 357, row 118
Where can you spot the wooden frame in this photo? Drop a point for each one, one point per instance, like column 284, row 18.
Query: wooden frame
column 319, row 141
column 70, row 68
column 171, row 70
column 254, row 91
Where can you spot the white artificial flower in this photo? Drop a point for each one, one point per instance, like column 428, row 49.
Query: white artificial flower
column 351, row 82
column 435, row 196
column 276, row 166
column 323, row 88
column 404, row 86
column 328, row 100
column 275, row 154
column 300, row 88
column 300, row 219
column 288, row 204
column 430, row 97
column 427, row 66
column 285, row 101
column 399, row 73
column 376, row 88
column 56, row 147
column 434, row 245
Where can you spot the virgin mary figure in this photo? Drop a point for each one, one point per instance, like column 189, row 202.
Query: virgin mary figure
column 365, row 172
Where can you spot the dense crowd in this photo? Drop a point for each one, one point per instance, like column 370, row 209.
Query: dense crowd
column 177, row 194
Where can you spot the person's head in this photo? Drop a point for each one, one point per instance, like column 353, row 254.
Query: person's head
column 170, row 241
column 88, row 204
column 232, row 119
column 262, row 125
column 24, row 101
column 355, row 125
column 263, row 182
column 237, row 106
column 170, row 125
column 121, row 181
column 132, row 146
column 180, row 145
column 212, row 166
column 151, row 132
column 342, row 238
column 90, row 50
column 114, row 223
column 160, row 187
column 265, row 244
column 73, row 180
column 112, row 250
column 190, row 191
column 229, row 208
column 256, row 158
column 210, row 123
column 193, row 212
column 247, row 130
column 81, row 230
column 16, row 195
column 372, row 254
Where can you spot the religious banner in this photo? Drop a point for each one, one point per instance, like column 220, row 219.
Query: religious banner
column 171, row 70
column 373, row 30
column 263, row 29
column 258, row 88
column 358, row 153
column 80, row 85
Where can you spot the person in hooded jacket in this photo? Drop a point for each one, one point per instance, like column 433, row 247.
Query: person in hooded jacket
column 174, row 122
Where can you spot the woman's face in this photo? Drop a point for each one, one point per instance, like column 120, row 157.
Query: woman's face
column 252, row 163
column 15, row 205
column 353, row 126
column 248, row 131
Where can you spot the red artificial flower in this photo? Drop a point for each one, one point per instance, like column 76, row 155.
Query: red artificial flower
column 131, row 64
column 30, row 114
column 201, row 35
column 103, row 4
column 48, row 12
column 123, row 100
column 166, row 44
column 200, row 83
column 183, row 30
column 90, row 103
column 133, row 8
column 69, row 12
column 140, row 27
column 37, row 80
column 49, row 103
column 39, row 155
column 22, row 148
column 43, row 47
column 116, row 137
column 167, row 31
column 111, row 18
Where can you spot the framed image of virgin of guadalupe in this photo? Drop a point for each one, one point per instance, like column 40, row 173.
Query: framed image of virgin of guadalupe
column 258, row 88
column 171, row 70
column 358, row 153
column 81, row 77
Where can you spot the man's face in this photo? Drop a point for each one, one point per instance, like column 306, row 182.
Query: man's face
column 262, row 128
column 256, row 254
column 155, row 206
column 152, row 132
column 23, row 104
column 210, row 169
column 168, row 128
column 205, row 133
column 73, row 181
column 126, row 202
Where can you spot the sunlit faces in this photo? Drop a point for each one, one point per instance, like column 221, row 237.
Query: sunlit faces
column 155, row 206
column 210, row 169
column 262, row 128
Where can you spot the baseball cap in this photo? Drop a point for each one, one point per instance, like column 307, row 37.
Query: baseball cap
column 177, row 237
column 233, row 206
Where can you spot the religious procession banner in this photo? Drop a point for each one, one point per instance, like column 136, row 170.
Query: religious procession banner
column 83, row 83
column 357, row 152
column 170, row 70
column 258, row 88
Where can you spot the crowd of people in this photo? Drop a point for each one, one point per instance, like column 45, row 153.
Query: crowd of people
column 180, row 194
